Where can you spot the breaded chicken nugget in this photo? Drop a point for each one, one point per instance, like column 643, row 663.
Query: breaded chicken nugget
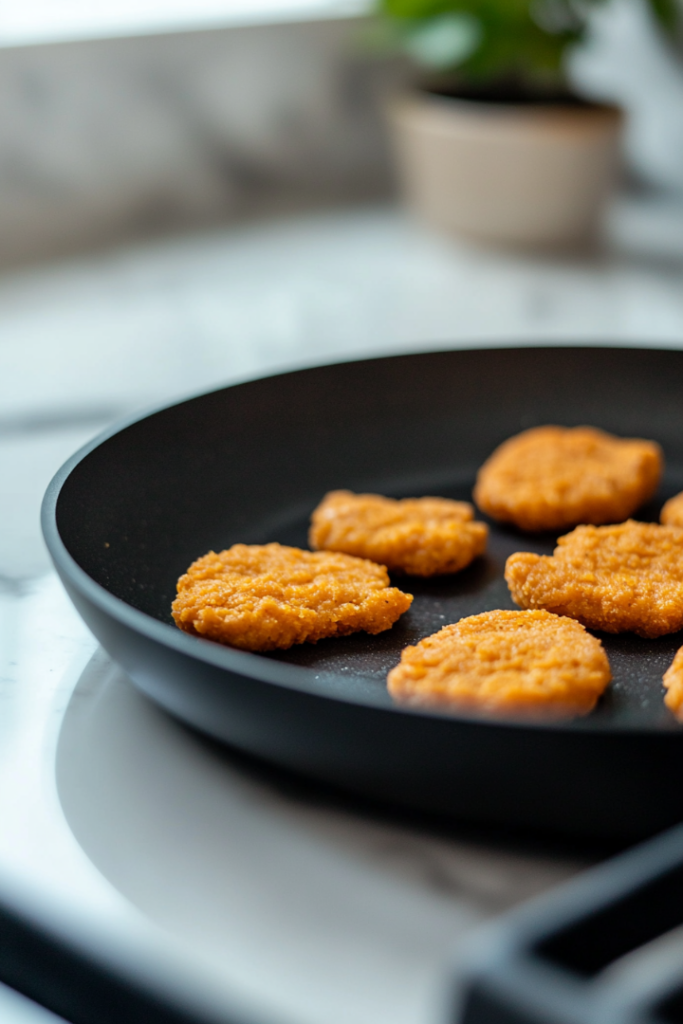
column 672, row 512
column 263, row 598
column 625, row 578
column 673, row 681
column 420, row 536
column 549, row 478
column 517, row 663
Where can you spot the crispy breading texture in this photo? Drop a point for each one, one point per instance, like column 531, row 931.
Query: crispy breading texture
column 672, row 512
column 266, row 598
column 420, row 536
column 551, row 478
column 673, row 681
column 530, row 664
column 625, row 578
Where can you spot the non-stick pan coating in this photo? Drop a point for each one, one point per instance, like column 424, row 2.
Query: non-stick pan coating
column 125, row 517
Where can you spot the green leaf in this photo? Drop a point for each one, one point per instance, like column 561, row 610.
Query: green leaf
column 498, row 39
column 445, row 41
column 666, row 12
column 421, row 9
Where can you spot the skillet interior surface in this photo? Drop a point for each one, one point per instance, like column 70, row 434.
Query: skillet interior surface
column 248, row 464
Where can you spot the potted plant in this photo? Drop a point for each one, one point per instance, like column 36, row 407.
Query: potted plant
column 493, row 143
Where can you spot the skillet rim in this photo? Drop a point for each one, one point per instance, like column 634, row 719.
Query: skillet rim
column 252, row 664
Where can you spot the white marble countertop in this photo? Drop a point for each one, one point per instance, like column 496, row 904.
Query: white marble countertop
column 306, row 910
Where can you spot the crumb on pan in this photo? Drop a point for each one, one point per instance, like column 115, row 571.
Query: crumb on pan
column 673, row 682
column 625, row 578
column 269, row 597
column 419, row 536
column 672, row 512
column 529, row 663
column 551, row 478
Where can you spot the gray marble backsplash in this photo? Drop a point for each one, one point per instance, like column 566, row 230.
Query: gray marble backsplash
column 106, row 141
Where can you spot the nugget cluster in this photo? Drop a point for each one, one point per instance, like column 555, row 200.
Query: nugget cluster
column 269, row 597
column 539, row 662
column 529, row 663
column 613, row 578
column 672, row 512
column 551, row 478
column 420, row 536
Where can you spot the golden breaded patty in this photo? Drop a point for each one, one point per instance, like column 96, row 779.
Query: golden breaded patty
column 673, row 681
column 263, row 598
column 518, row 663
column 672, row 512
column 420, row 536
column 549, row 478
column 625, row 578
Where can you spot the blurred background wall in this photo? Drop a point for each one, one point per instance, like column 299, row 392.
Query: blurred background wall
column 107, row 140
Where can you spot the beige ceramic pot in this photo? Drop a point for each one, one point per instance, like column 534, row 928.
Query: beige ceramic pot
column 528, row 175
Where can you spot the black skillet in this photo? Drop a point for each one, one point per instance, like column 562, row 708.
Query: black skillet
column 128, row 513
